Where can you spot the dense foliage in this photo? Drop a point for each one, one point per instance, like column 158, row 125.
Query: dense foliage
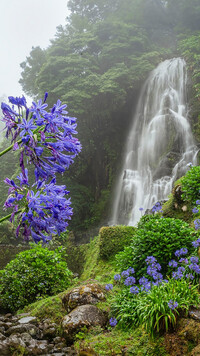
column 32, row 274
column 190, row 185
column 158, row 237
column 114, row 239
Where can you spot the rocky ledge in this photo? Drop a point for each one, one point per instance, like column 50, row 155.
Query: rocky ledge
column 24, row 334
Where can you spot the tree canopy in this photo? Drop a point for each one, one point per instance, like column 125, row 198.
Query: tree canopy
column 96, row 64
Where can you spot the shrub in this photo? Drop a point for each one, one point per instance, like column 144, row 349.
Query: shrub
column 33, row 274
column 113, row 239
column 158, row 237
column 190, row 184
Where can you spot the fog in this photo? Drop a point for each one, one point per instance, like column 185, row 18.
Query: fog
column 24, row 24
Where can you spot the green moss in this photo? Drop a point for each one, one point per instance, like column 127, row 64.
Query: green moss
column 51, row 308
column 94, row 266
column 117, row 342
column 113, row 239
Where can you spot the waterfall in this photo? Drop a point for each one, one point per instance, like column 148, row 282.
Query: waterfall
column 159, row 146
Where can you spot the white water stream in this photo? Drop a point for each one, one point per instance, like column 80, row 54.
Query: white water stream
column 160, row 144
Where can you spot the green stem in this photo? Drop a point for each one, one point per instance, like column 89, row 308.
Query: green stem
column 6, row 150
column 9, row 216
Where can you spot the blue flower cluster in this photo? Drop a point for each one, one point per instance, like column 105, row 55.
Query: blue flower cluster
column 172, row 305
column 46, row 139
column 192, row 264
column 157, row 208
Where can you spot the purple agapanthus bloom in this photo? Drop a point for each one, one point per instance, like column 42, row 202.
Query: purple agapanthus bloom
column 173, row 263
column 150, row 260
column 195, row 210
column 131, row 270
column 196, row 243
column 125, row 274
column 182, row 251
column 129, row 281
column 194, row 259
column 27, row 127
column 117, row 277
column 17, row 101
column 113, row 322
column 172, row 305
column 134, row 290
column 109, row 286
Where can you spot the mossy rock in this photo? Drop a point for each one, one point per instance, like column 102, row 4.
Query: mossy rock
column 113, row 239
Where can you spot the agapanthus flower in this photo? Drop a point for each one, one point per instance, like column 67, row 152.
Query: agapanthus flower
column 173, row 263
column 189, row 276
column 134, row 290
column 129, row 281
column 172, row 304
column 143, row 280
column 125, row 274
column 109, row 286
column 157, row 208
column 17, row 101
column 182, row 251
column 150, row 260
column 113, row 322
column 194, row 259
column 196, row 243
column 117, row 277
column 198, row 202
column 195, row 210
column 131, row 270
column 183, row 260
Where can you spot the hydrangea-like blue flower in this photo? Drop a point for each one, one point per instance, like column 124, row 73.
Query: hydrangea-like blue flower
column 125, row 274
column 117, row 277
column 129, row 281
column 109, row 286
column 182, row 251
column 183, row 260
column 172, row 305
column 189, row 276
column 113, row 322
column 131, row 270
column 150, row 259
column 195, row 210
column 196, row 243
column 143, row 280
column 198, row 202
column 173, row 263
column 157, row 208
column 134, row 290
column 194, row 259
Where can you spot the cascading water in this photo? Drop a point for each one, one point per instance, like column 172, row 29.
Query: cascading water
column 160, row 144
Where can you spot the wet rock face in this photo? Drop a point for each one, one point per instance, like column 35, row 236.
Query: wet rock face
column 86, row 294
column 82, row 316
column 24, row 333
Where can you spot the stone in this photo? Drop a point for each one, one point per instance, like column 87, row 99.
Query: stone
column 194, row 314
column 5, row 349
column 30, row 328
column 2, row 337
column 15, row 341
column 84, row 315
column 28, row 319
column 86, row 294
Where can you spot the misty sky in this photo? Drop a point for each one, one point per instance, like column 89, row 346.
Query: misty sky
column 23, row 24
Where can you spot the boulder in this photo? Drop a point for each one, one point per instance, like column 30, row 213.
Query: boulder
column 86, row 294
column 83, row 316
